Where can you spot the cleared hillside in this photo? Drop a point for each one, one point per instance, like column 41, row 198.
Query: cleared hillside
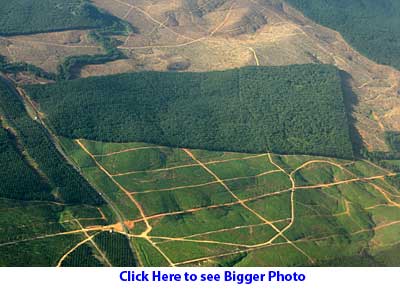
column 236, row 33
column 293, row 109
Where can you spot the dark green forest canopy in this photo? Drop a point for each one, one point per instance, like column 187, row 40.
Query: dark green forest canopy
column 371, row 26
column 14, row 169
column 295, row 109
column 34, row 16
column 393, row 140
column 70, row 185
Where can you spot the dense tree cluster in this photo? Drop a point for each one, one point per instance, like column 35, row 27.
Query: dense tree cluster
column 83, row 256
column 393, row 140
column 27, row 16
column 393, row 180
column 71, row 186
column 293, row 109
column 117, row 249
column 372, row 27
column 14, row 169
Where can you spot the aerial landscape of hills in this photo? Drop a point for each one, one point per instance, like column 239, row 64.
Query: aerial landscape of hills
column 199, row 133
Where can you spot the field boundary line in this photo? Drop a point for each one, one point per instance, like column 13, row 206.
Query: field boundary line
column 59, row 264
column 160, row 215
column 206, row 183
column 103, row 256
column 179, row 166
column 135, row 202
column 279, row 232
column 128, row 150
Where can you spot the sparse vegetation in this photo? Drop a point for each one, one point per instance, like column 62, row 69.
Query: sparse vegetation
column 71, row 66
column 14, row 68
column 76, row 14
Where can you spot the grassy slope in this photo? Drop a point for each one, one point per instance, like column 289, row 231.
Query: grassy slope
column 333, row 225
column 25, row 223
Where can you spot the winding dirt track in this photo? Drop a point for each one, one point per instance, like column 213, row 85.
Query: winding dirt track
column 243, row 202
column 244, row 247
column 129, row 195
column 59, row 264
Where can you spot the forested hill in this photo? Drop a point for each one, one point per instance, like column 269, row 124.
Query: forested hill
column 371, row 26
column 293, row 109
column 34, row 16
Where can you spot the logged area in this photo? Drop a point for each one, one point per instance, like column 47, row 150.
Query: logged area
column 293, row 109
column 372, row 27
column 27, row 17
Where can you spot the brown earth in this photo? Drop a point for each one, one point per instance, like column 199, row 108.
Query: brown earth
column 47, row 50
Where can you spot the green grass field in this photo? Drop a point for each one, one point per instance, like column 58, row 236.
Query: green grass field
column 170, row 206
column 226, row 209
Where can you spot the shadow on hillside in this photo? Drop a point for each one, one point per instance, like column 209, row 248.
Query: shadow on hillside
column 350, row 101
